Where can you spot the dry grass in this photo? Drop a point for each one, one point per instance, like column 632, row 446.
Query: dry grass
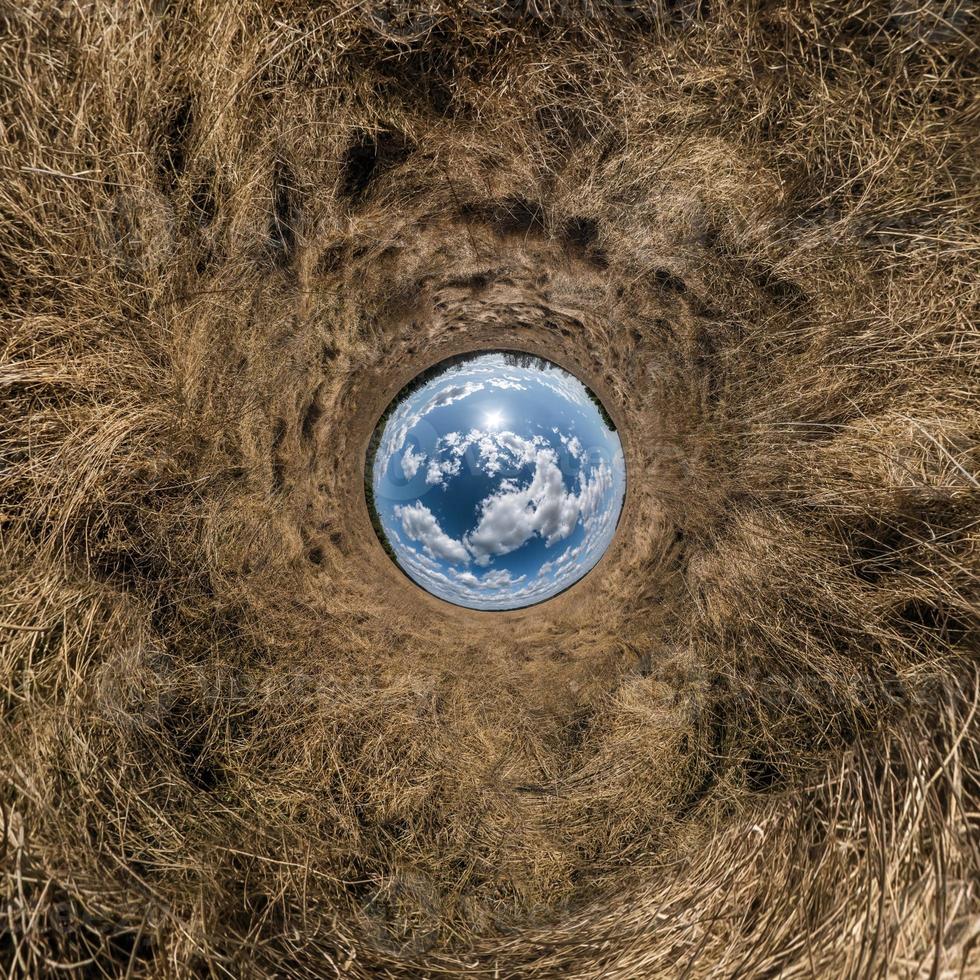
column 234, row 742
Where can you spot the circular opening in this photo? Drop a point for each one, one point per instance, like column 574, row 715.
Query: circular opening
column 495, row 480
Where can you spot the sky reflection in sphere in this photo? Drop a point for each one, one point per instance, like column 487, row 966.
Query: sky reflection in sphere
column 497, row 482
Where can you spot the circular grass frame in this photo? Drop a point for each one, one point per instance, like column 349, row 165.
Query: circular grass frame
column 209, row 286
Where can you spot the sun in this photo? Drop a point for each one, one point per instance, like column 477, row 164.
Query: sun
column 494, row 419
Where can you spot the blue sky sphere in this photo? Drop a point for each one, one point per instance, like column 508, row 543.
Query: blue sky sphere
column 497, row 480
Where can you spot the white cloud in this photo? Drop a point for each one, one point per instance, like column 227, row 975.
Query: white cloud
column 509, row 517
column 407, row 416
column 499, row 578
column 494, row 450
column 411, row 461
column 438, row 471
column 522, row 449
column 594, row 490
column 564, row 385
column 572, row 444
column 454, row 393
column 420, row 524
